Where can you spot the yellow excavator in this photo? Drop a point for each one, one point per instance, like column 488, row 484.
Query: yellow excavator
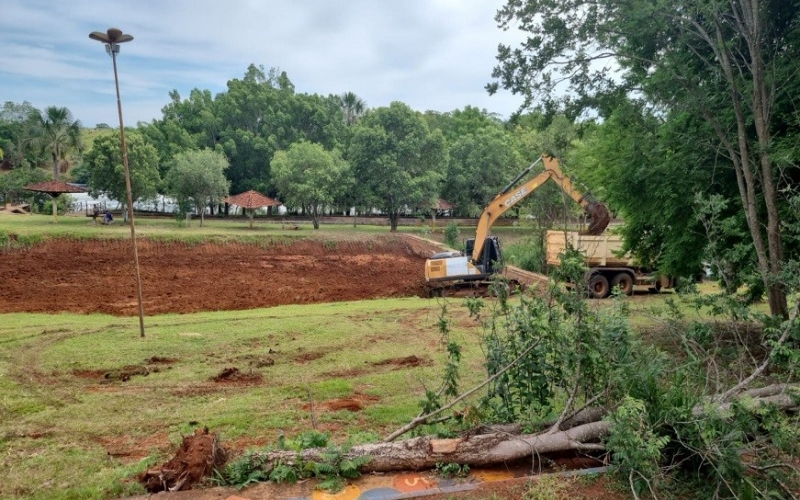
column 482, row 257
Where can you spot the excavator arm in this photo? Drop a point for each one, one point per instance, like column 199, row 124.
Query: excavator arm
column 512, row 194
column 478, row 262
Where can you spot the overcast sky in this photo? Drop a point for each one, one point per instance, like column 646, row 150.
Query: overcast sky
column 430, row 54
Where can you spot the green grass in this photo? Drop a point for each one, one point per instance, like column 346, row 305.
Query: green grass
column 58, row 412
column 78, row 226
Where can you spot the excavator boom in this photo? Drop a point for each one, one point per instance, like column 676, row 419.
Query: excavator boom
column 510, row 195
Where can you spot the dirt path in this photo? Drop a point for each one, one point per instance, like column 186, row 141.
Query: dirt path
column 97, row 275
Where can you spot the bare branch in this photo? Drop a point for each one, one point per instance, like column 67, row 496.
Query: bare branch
column 787, row 329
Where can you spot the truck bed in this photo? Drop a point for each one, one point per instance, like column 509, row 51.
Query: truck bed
column 599, row 251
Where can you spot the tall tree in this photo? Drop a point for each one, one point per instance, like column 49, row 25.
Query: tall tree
column 199, row 177
column 308, row 176
column 717, row 60
column 107, row 173
column 397, row 159
column 56, row 133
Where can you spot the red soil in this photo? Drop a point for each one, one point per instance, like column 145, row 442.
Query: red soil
column 97, row 276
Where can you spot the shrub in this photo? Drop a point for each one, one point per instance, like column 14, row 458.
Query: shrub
column 451, row 234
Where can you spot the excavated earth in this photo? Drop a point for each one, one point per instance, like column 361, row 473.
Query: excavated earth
column 97, row 276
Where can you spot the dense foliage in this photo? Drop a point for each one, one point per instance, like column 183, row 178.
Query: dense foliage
column 698, row 95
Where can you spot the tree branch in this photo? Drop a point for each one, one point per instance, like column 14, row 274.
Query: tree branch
column 424, row 418
column 787, row 329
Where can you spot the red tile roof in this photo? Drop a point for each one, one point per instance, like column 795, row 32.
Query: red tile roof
column 251, row 199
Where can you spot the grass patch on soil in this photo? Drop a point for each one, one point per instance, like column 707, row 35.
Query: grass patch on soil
column 30, row 229
column 85, row 402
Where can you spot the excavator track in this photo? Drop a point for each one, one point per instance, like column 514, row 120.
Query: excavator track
column 470, row 289
column 516, row 280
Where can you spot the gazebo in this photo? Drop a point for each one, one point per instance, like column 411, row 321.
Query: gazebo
column 54, row 189
column 440, row 206
column 251, row 200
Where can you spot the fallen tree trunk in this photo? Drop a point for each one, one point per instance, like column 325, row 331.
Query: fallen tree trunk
column 500, row 444
column 477, row 450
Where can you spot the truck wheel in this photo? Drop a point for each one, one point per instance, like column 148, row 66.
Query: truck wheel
column 598, row 286
column 625, row 283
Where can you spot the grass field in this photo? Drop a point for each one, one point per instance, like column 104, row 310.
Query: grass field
column 85, row 403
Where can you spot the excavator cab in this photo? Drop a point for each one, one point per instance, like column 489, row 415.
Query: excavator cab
column 491, row 259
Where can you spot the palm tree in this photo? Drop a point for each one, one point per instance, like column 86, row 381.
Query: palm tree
column 353, row 107
column 56, row 133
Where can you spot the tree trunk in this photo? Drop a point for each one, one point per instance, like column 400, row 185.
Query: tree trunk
column 762, row 103
column 315, row 216
column 499, row 445
column 769, row 256
column 202, row 209
column 393, row 219
column 481, row 450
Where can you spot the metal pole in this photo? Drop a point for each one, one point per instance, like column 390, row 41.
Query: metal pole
column 129, row 195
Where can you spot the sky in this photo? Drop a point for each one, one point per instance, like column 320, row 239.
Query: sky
column 430, row 54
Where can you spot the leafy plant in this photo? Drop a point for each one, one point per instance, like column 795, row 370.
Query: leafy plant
column 451, row 234
column 452, row 469
column 528, row 254
column 547, row 488
column 634, row 443
column 305, row 440
column 451, row 376
column 335, row 468
column 248, row 469
column 285, row 473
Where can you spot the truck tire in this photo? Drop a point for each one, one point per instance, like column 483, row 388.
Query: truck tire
column 625, row 283
column 598, row 286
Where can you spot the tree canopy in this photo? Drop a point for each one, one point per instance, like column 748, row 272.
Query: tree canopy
column 198, row 176
column 398, row 159
column 308, row 176
column 711, row 71
column 107, row 173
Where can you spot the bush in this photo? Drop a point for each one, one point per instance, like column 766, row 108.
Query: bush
column 451, row 234
column 63, row 203
column 529, row 254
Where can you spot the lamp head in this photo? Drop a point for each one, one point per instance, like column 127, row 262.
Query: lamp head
column 112, row 36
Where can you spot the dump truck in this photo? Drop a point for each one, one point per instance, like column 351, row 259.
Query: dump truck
column 482, row 257
column 608, row 265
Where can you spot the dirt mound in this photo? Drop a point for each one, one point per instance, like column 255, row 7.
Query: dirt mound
column 234, row 375
column 198, row 456
column 354, row 403
column 97, row 276
column 406, row 362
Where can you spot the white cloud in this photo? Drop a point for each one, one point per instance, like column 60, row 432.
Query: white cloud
column 434, row 55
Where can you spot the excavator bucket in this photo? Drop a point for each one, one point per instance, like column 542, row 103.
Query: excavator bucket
column 600, row 216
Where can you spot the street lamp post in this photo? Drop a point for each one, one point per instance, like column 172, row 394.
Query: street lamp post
column 112, row 38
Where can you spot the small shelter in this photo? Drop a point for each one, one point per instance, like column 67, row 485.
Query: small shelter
column 54, row 189
column 251, row 200
column 440, row 206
